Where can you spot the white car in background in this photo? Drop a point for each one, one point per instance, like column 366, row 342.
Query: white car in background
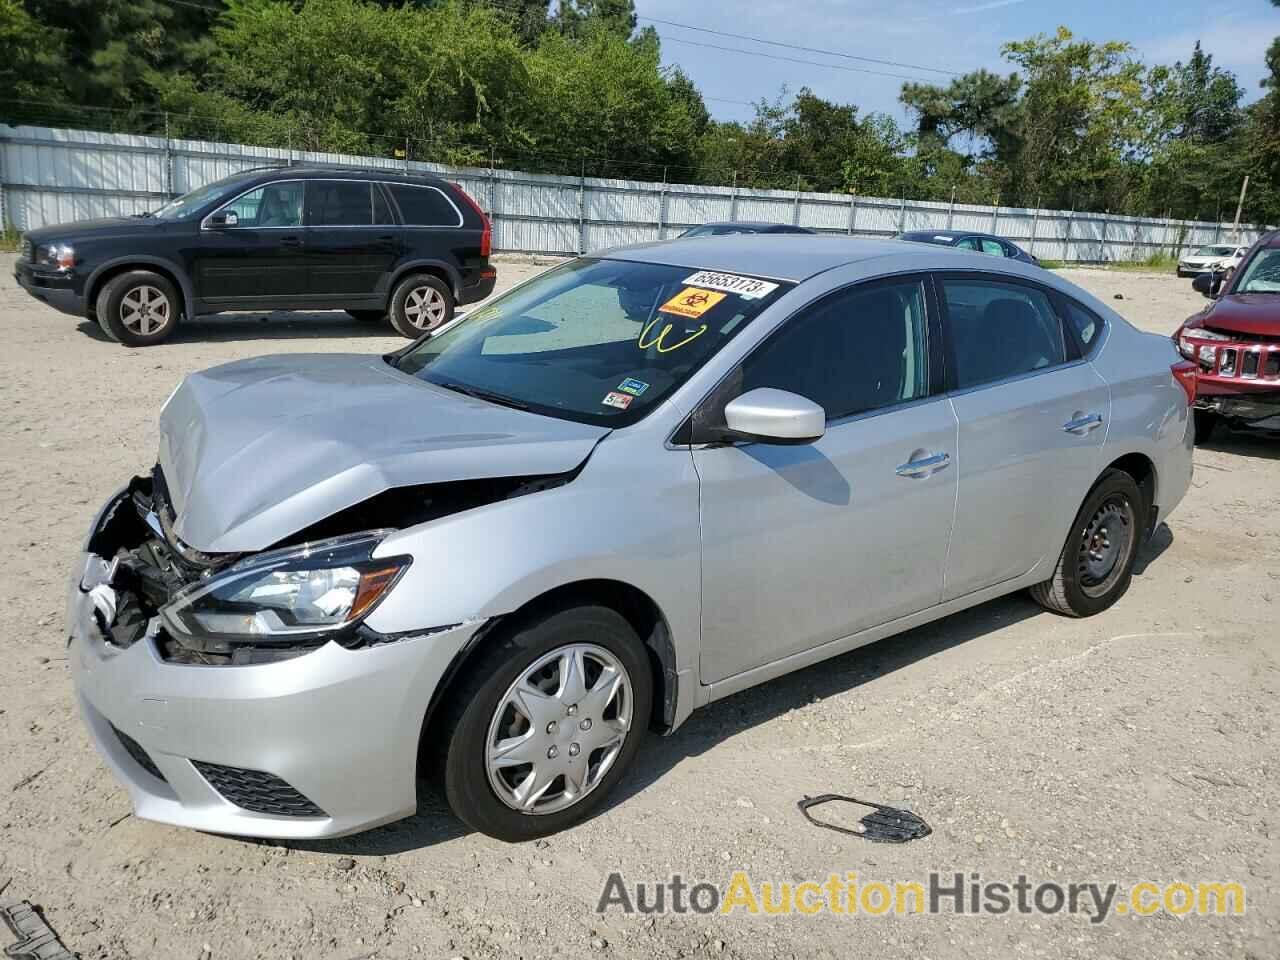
column 1215, row 256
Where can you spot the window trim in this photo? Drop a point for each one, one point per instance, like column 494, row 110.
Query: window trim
column 982, row 276
column 404, row 221
column 935, row 365
column 204, row 221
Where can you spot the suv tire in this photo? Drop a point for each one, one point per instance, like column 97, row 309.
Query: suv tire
column 478, row 715
column 139, row 308
column 421, row 304
column 1096, row 564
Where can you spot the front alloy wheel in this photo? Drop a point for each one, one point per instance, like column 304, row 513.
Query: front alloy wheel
column 544, row 721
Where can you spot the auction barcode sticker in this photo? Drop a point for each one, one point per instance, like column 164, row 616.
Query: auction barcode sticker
column 749, row 288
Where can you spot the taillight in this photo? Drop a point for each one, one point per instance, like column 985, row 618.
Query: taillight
column 486, row 234
column 1186, row 372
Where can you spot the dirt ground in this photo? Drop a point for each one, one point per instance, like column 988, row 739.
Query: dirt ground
column 1137, row 745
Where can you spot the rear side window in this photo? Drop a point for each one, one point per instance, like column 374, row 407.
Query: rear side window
column 1087, row 325
column 993, row 247
column 339, row 203
column 1000, row 330
column 857, row 350
column 425, row 206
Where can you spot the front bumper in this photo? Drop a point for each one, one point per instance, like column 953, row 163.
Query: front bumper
column 62, row 291
column 339, row 727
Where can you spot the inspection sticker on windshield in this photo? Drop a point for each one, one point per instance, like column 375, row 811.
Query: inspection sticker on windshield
column 692, row 302
column 633, row 386
column 619, row 400
column 749, row 288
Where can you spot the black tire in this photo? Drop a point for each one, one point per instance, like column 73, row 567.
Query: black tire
column 402, row 312
column 1206, row 421
column 139, row 308
column 482, row 688
column 367, row 316
column 1075, row 589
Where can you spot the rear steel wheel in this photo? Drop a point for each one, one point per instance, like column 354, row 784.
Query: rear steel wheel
column 1106, row 540
column 1096, row 563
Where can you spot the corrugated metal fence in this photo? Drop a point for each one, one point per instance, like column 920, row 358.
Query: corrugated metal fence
column 52, row 175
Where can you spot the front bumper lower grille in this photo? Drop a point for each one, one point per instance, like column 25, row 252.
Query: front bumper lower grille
column 139, row 755
column 257, row 791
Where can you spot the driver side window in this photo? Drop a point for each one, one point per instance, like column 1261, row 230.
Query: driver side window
column 857, row 350
column 271, row 205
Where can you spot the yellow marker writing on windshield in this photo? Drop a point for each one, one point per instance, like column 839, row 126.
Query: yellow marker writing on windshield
column 660, row 340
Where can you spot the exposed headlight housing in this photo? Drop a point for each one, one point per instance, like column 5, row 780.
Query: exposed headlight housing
column 312, row 592
column 1203, row 333
column 60, row 255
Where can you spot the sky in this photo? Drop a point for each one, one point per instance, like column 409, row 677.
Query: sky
column 943, row 35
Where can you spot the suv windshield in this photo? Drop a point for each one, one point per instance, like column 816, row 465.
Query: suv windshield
column 1262, row 275
column 597, row 341
column 191, row 202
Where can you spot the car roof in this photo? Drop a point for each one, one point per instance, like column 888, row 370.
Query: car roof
column 749, row 224
column 780, row 256
column 951, row 234
column 346, row 173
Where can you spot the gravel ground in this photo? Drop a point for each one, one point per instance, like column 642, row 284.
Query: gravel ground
column 1138, row 745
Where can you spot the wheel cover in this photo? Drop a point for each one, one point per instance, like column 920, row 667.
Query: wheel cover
column 1106, row 545
column 144, row 310
column 424, row 308
column 558, row 729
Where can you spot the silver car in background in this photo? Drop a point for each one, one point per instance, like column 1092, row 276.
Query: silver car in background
column 635, row 484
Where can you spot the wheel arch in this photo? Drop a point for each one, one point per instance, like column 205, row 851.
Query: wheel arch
column 632, row 603
column 437, row 268
column 1143, row 470
column 166, row 268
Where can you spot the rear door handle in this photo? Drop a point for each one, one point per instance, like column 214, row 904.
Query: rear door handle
column 291, row 241
column 923, row 466
column 1082, row 424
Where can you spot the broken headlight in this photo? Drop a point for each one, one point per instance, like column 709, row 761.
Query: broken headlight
column 288, row 596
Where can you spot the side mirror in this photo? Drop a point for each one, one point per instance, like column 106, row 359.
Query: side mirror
column 1207, row 284
column 224, row 218
column 767, row 415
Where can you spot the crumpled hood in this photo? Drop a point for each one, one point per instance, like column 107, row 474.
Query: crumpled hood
column 1245, row 313
column 256, row 450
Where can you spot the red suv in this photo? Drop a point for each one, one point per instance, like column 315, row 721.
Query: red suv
column 1236, row 342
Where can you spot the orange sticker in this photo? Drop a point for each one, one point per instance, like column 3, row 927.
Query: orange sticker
column 692, row 302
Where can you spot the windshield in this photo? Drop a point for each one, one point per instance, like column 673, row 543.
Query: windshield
column 1262, row 274
column 189, row 203
column 596, row 341
column 1215, row 251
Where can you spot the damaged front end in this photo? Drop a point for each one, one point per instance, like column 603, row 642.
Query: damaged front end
column 312, row 587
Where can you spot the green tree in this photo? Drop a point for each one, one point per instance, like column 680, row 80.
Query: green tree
column 577, row 17
column 118, row 51
column 32, row 67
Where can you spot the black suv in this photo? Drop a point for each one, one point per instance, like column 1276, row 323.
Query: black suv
column 371, row 242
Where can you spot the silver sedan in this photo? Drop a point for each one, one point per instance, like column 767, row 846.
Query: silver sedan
column 635, row 484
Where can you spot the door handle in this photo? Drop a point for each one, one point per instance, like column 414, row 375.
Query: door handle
column 924, row 466
column 1082, row 424
column 290, row 242
column 388, row 238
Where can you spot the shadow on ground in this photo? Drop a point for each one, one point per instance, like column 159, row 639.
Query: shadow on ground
column 226, row 327
column 434, row 823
